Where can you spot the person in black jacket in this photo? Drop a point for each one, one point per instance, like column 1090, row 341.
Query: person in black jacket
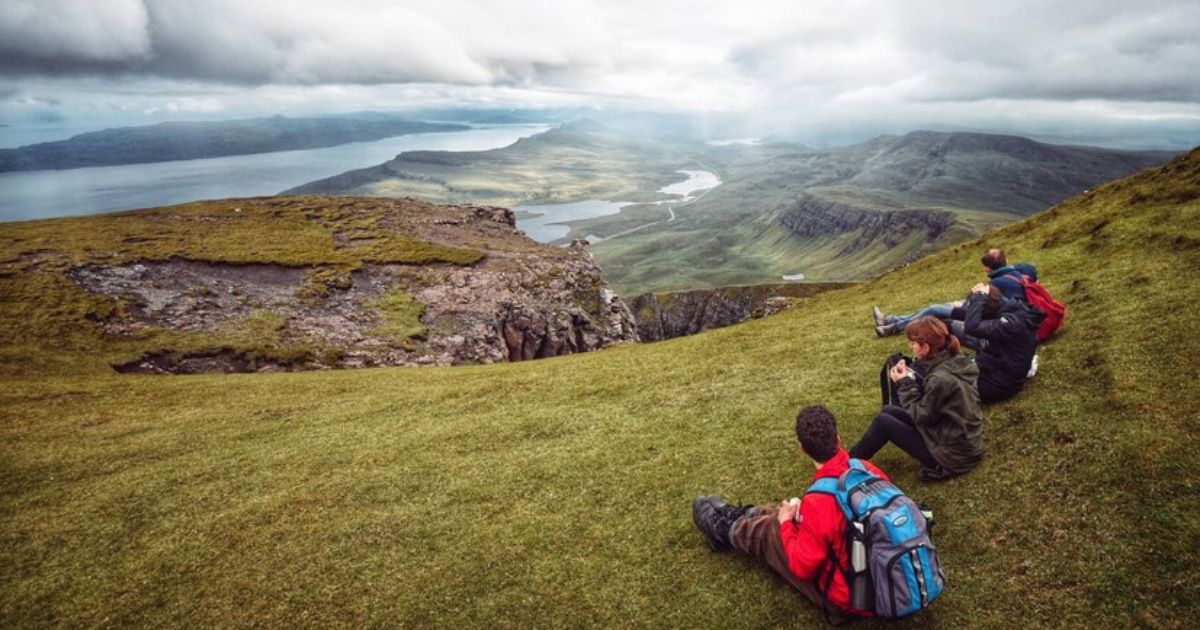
column 1005, row 277
column 1003, row 333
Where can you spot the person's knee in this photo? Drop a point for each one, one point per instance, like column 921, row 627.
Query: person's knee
column 880, row 422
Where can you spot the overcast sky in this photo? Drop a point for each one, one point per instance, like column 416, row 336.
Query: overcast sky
column 1093, row 68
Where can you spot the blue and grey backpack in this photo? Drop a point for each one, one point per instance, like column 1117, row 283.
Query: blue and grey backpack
column 894, row 569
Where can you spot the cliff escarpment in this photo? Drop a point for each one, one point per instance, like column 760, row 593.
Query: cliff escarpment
column 293, row 283
column 662, row 316
column 811, row 217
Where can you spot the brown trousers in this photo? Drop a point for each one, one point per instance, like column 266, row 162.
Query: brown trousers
column 758, row 536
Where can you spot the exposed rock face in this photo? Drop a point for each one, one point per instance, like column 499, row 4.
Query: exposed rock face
column 521, row 301
column 811, row 217
column 544, row 307
column 668, row 315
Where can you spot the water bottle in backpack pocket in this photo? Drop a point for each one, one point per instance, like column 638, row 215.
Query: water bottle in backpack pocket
column 862, row 592
column 894, row 569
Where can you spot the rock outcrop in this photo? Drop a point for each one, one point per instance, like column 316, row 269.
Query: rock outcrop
column 667, row 315
column 811, row 217
column 520, row 301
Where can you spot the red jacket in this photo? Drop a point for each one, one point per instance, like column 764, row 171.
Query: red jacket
column 822, row 524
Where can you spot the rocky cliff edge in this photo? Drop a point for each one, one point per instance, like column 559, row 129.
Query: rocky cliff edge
column 286, row 283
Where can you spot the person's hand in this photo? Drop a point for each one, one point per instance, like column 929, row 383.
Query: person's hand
column 957, row 303
column 787, row 511
column 899, row 371
column 980, row 288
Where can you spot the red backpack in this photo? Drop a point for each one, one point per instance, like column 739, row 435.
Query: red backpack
column 1040, row 298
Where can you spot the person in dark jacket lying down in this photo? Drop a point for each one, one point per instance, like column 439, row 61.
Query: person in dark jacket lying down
column 1005, row 277
column 1003, row 333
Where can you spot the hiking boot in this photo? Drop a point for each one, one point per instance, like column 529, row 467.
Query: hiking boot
column 715, row 518
column 887, row 330
column 936, row 473
column 880, row 320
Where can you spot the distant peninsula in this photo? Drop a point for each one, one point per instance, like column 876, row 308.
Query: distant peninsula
column 171, row 141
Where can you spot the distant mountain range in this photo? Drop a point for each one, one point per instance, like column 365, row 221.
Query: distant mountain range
column 995, row 172
column 170, row 141
column 830, row 214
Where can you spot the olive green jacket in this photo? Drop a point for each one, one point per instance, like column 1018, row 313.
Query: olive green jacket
column 945, row 408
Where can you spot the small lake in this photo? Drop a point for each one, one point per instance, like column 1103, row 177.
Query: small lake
column 547, row 226
column 695, row 182
column 46, row 194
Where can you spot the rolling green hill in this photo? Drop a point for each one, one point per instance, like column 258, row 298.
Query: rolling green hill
column 561, row 165
column 557, row 493
column 839, row 214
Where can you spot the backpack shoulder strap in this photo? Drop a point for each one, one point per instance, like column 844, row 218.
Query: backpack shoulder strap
column 834, row 487
column 884, row 382
column 834, row 567
column 856, row 466
column 824, row 485
column 829, row 486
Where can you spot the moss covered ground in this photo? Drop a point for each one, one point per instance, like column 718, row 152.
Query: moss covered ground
column 557, row 493
column 45, row 317
column 401, row 316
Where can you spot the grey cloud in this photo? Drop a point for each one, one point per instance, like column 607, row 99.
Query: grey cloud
column 67, row 35
column 1006, row 50
column 1036, row 50
column 817, row 62
column 302, row 42
column 73, row 37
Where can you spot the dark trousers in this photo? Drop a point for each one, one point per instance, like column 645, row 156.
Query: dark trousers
column 758, row 536
column 893, row 424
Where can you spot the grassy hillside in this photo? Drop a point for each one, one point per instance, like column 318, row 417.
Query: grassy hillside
column 557, row 493
column 561, row 165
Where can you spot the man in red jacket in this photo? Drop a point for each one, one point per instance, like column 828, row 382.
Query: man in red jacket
column 794, row 539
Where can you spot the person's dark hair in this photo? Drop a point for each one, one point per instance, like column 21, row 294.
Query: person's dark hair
column 992, row 302
column 994, row 259
column 816, row 429
column 932, row 331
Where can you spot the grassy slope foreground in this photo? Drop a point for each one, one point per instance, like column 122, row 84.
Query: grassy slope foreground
column 556, row 493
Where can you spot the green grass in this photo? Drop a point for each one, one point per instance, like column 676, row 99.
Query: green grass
column 45, row 317
column 401, row 316
column 556, row 493
column 291, row 231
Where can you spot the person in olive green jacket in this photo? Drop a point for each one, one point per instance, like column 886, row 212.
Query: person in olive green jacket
column 938, row 421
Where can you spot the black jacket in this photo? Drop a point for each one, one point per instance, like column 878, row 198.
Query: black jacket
column 1012, row 341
